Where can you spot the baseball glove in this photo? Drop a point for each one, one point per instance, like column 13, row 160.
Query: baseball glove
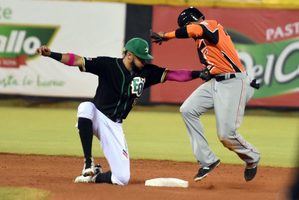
column 205, row 74
column 157, row 38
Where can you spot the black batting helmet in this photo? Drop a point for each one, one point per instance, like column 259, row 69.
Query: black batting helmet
column 188, row 15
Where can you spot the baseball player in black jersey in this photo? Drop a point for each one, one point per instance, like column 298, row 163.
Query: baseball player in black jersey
column 121, row 82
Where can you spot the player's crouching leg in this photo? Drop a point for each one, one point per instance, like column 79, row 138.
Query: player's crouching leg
column 85, row 126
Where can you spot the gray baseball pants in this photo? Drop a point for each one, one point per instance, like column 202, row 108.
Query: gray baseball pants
column 228, row 98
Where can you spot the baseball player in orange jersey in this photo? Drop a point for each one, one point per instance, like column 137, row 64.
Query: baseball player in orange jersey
column 227, row 89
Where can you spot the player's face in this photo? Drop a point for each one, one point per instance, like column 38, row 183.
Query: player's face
column 138, row 62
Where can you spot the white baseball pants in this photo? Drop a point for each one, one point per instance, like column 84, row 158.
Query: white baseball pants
column 112, row 140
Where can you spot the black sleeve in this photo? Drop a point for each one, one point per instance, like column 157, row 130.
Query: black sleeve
column 212, row 37
column 98, row 65
column 154, row 75
column 181, row 33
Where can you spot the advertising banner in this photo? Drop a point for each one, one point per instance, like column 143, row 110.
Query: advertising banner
column 289, row 4
column 267, row 42
column 83, row 28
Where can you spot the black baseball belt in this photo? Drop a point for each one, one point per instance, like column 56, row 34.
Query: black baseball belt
column 223, row 77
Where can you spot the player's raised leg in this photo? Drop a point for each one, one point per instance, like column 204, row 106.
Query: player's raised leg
column 194, row 106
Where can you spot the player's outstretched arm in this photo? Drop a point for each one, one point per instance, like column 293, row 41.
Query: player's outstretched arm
column 189, row 31
column 65, row 58
column 186, row 75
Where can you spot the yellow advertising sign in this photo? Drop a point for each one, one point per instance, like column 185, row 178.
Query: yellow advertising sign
column 286, row 4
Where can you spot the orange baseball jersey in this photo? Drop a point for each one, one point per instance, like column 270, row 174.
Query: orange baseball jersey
column 215, row 47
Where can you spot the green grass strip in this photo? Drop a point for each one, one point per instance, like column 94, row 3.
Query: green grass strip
column 13, row 193
column 150, row 135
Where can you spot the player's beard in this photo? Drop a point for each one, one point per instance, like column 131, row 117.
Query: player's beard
column 135, row 68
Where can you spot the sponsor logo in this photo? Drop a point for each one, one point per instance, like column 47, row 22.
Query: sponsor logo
column 274, row 65
column 19, row 42
column 5, row 13
column 281, row 32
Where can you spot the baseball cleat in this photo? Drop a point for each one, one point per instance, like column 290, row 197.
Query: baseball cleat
column 84, row 179
column 93, row 170
column 89, row 175
column 204, row 171
column 88, row 167
column 98, row 169
column 88, row 171
column 250, row 171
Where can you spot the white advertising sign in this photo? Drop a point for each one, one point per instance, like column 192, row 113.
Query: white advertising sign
column 84, row 28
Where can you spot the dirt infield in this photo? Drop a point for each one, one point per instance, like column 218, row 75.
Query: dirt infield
column 56, row 175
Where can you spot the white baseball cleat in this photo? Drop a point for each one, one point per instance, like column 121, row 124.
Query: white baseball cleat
column 88, row 170
column 89, row 175
column 93, row 170
column 84, row 179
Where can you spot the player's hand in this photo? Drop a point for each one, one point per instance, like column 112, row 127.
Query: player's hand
column 44, row 51
column 157, row 37
column 205, row 74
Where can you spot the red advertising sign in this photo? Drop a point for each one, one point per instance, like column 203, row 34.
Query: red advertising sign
column 13, row 62
column 268, row 36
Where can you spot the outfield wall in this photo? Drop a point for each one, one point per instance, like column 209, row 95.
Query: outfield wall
column 267, row 41
column 78, row 27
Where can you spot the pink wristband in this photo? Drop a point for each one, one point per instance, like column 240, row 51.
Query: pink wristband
column 71, row 59
column 179, row 75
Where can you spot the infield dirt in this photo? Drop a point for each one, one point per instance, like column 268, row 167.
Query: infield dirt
column 56, row 174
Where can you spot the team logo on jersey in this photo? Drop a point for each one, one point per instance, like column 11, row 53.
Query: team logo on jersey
column 137, row 85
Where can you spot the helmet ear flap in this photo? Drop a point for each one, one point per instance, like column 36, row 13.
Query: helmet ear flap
column 181, row 20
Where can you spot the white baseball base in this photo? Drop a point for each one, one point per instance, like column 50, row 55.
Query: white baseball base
column 166, row 182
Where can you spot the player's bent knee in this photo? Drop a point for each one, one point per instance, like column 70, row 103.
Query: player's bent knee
column 188, row 112
column 226, row 141
column 184, row 109
column 125, row 180
column 86, row 110
column 121, row 179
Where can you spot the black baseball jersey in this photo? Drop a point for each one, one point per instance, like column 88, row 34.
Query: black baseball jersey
column 118, row 88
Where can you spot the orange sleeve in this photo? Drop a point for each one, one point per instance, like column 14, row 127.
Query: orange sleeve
column 169, row 35
column 194, row 30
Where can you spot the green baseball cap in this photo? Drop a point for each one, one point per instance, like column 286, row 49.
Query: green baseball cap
column 139, row 47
